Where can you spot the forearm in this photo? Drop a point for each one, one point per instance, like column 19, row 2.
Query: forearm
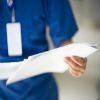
column 66, row 42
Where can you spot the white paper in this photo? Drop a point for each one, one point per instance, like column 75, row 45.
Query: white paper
column 6, row 69
column 49, row 61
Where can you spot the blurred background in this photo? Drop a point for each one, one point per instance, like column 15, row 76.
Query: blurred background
column 87, row 87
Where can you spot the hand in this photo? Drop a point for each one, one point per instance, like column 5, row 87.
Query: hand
column 76, row 65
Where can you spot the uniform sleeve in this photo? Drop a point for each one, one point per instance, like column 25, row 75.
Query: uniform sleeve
column 61, row 21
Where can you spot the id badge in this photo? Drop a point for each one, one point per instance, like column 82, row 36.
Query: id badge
column 14, row 39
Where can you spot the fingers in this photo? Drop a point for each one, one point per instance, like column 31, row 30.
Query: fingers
column 73, row 65
column 74, row 73
column 78, row 60
column 76, row 65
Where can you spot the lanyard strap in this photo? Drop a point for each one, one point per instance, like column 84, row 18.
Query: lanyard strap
column 13, row 16
column 10, row 4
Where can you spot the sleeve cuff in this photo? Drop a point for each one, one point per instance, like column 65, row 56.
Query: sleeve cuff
column 57, row 43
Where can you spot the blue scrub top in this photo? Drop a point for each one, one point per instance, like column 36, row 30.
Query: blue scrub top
column 34, row 15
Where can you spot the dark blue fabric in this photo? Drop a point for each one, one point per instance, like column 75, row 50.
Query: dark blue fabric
column 34, row 15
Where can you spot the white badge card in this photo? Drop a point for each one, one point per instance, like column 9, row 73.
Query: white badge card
column 14, row 39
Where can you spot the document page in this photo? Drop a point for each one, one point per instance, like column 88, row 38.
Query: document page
column 50, row 61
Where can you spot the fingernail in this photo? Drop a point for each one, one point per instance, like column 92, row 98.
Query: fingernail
column 67, row 58
column 75, row 57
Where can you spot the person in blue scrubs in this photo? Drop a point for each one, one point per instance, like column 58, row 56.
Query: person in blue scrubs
column 34, row 15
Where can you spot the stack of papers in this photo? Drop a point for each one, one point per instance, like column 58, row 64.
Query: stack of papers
column 49, row 61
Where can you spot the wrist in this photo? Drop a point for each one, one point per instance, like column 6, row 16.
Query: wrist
column 66, row 42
